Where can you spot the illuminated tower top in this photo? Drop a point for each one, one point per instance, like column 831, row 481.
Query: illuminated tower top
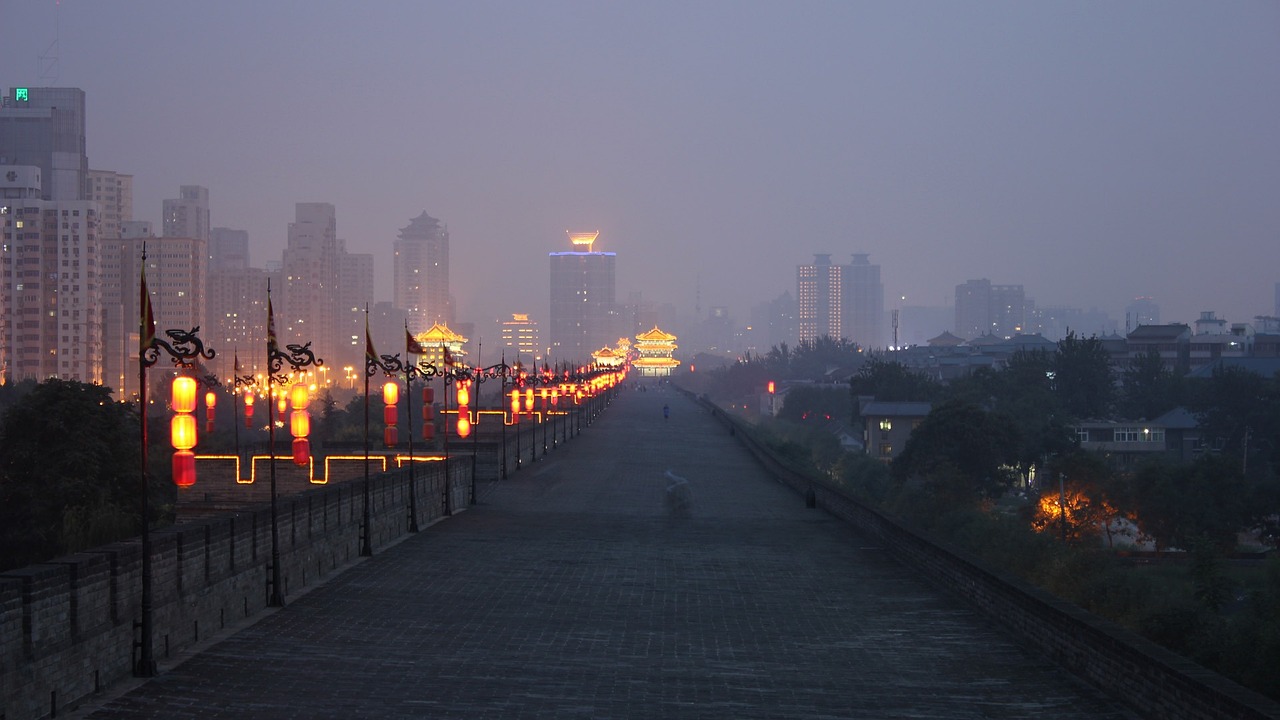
column 582, row 241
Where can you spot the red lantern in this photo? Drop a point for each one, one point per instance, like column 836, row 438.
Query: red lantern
column 210, row 402
column 515, row 407
column 301, row 451
column 428, row 431
column 182, row 431
column 390, row 415
column 184, row 468
column 248, row 409
column 464, row 425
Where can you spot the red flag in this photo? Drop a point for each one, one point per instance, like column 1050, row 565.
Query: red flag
column 370, row 355
column 146, row 316
column 272, row 344
column 412, row 346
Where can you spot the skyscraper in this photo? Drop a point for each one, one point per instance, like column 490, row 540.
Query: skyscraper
column 306, row 309
column 863, row 300
column 45, row 128
column 584, row 309
column 520, row 339
column 188, row 214
column 50, row 322
column 114, row 194
column 819, row 299
column 986, row 309
column 420, row 283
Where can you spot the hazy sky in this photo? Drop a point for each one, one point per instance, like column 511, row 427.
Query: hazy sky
column 1091, row 151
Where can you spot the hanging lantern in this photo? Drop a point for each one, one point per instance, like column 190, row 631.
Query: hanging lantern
column 248, row 409
column 528, row 401
column 182, row 431
column 301, row 451
column 282, row 403
column 184, row 468
column 464, row 393
column 184, row 394
column 210, row 402
column 515, row 407
column 464, row 423
column 300, row 397
column 390, row 414
column 555, row 396
column 300, row 423
column 464, row 412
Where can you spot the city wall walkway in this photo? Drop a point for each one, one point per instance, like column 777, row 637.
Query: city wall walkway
column 573, row 590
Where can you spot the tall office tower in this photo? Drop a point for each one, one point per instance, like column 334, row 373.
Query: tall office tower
column 986, row 309
column 521, row 339
column 1142, row 311
column 820, row 299
column 305, row 310
column 114, row 194
column 228, row 249
column 355, row 293
column 236, row 319
column 44, row 127
column 420, row 281
column 863, row 310
column 584, row 307
column 188, row 214
column 51, row 297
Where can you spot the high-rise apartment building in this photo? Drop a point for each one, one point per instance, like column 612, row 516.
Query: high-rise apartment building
column 420, row 281
column 45, row 128
column 305, row 307
column 584, row 309
column 114, row 194
column 51, row 292
column 819, row 294
column 986, row 309
column 228, row 249
column 188, row 214
column 355, row 292
column 863, row 302
column 1142, row 311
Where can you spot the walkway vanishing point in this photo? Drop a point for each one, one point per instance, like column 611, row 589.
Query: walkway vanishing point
column 570, row 591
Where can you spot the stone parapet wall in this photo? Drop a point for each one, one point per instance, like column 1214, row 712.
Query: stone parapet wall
column 68, row 627
column 1155, row 682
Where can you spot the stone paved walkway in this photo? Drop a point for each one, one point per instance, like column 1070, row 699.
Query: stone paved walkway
column 573, row 591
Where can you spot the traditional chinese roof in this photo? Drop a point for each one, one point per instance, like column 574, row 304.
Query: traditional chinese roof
column 655, row 335
column 440, row 334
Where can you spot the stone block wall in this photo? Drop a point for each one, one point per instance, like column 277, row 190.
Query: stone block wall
column 68, row 628
column 1154, row 682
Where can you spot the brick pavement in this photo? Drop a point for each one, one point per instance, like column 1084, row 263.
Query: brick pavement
column 572, row 591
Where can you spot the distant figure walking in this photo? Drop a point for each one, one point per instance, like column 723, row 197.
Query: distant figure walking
column 666, row 412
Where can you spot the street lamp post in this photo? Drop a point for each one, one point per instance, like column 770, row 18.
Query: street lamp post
column 298, row 357
column 185, row 351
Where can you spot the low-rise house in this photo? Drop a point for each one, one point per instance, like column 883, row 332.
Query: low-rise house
column 887, row 425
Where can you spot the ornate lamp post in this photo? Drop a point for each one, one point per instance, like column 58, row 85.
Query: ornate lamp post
column 185, row 350
column 298, row 357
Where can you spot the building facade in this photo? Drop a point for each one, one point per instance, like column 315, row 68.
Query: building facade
column 188, row 214
column 584, row 310
column 420, row 274
column 986, row 309
column 305, row 307
column 51, row 292
column 521, row 339
column 45, row 128
column 114, row 194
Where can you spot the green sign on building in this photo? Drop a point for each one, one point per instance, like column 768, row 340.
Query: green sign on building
column 20, row 94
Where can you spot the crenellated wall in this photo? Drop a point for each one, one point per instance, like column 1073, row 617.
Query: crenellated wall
column 1155, row 682
column 67, row 627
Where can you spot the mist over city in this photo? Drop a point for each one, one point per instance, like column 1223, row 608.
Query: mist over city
column 1090, row 152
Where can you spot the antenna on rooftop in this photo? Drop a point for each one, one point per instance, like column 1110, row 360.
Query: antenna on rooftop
column 47, row 63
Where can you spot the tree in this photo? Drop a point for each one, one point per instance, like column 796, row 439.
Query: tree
column 69, row 471
column 1082, row 377
column 891, row 381
column 1148, row 389
column 816, row 403
column 1178, row 505
column 1075, row 501
column 979, row 446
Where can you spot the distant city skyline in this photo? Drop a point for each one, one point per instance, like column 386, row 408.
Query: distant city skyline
column 1091, row 152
